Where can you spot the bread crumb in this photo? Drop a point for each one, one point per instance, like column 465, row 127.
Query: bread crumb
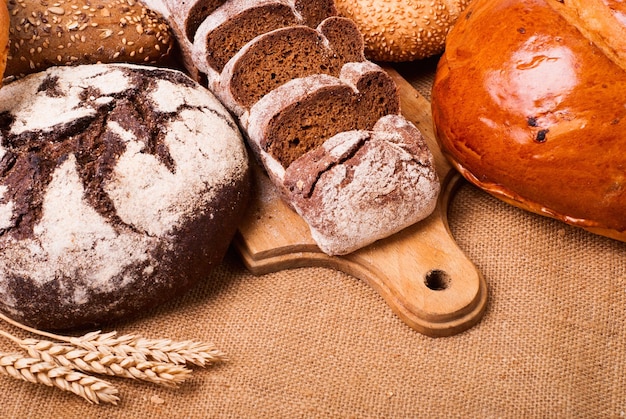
column 156, row 399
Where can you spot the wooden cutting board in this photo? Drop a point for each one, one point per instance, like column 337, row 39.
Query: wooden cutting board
column 420, row 272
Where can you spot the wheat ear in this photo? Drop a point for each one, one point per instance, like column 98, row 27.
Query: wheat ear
column 162, row 373
column 161, row 350
column 37, row 371
column 64, row 363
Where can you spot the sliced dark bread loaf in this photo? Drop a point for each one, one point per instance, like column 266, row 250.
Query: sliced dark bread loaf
column 324, row 122
column 184, row 17
column 300, row 115
column 285, row 54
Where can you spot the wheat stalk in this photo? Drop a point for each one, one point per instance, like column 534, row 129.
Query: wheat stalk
column 35, row 370
column 87, row 361
column 161, row 350
column 64, row 361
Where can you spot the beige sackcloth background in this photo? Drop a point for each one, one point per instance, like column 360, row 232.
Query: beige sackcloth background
column 314, row 342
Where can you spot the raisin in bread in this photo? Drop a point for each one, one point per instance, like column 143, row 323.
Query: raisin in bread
column 120, row 187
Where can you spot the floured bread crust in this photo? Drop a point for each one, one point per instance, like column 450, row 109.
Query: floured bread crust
column 384, row 177
column 120, row 186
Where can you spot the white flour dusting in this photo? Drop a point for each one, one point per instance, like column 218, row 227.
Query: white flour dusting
column 73, row 240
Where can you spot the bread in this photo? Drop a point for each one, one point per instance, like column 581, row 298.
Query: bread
column 120, row 187
column 343, row 158
column 71, row 32
column 300, row 115
column 297, row 51
column 382, row 178
column 536, row 117
column 223, row 33
column 4, row 37
column 295, row 76
column 397, row 30
column 189, row 14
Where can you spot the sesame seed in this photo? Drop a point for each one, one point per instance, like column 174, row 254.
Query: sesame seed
column 105, row 33
column 56, row 10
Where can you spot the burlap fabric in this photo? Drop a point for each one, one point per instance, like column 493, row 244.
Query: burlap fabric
column 319, row 343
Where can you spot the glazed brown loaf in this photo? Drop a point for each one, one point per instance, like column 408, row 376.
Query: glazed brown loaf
column 71, row 32
column 537, row 116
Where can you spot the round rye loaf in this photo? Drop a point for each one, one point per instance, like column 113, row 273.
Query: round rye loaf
column 120, row 187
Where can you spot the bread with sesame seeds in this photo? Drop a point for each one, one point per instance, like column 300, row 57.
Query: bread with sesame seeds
column 71, row 32
column 400, row 30
column 121, row 186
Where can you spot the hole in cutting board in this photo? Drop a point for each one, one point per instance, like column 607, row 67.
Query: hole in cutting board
column 437, row 280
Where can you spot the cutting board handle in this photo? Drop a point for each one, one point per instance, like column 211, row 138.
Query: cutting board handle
column 420, row 272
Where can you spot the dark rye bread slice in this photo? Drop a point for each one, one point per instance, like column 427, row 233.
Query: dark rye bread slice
column 362, row 186
column 300, row 115
column 189, row 14
column 285, row 54
column 120, row 187
column 223, row 33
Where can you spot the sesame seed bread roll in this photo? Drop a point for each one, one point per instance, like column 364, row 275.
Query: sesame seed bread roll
column 71, row 32
column 399, row 30
column 4, row 36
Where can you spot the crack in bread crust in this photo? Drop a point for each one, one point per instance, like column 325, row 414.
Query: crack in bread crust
column 124, row 194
